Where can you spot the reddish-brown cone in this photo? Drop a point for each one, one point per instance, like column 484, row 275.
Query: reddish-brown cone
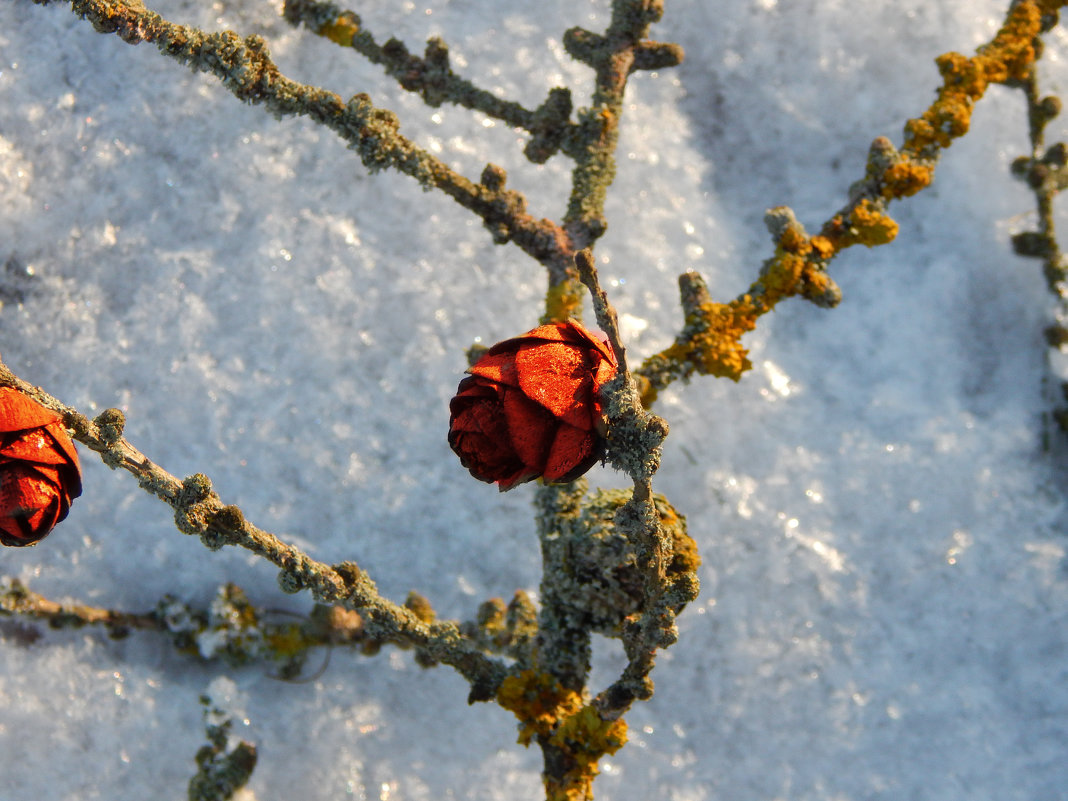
column 39, row 470
column 532, row 407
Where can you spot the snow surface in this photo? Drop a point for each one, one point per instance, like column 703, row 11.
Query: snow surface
column 883, row 610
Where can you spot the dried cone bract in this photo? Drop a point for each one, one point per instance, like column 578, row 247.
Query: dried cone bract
column 39, row 470
column 531, row 407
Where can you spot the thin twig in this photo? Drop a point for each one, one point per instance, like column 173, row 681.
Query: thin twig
column 199, row 510
column 634, row 441
column 433, row 79
column 710, row 340
column 245, row 68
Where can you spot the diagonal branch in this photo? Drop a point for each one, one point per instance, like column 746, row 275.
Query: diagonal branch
column 199, row 510
column 710, row 341
column 245, row 67
column 620, row 51
column 433, row 79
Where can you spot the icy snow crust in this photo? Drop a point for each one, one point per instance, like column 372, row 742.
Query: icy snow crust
column 884, row 589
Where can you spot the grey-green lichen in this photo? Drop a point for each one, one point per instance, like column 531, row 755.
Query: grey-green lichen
column 432, row 77
column 1045, row 171
column 634, row 435
column 595, row 566
column 504, row 628
column 225, row 764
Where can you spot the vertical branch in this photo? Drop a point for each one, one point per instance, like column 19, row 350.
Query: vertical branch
column 591, row 143
column 634, row 440
column 1045, row 171
column 563, row 646
column 621, row 50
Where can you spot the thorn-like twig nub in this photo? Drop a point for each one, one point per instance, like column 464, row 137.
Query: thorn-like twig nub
column 606, row 314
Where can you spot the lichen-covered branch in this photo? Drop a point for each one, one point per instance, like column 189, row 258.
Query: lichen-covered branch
column 1045, row 171
column 597, row 580
column 591, row 143
column 239, row 633
column 18, row 599
column 615, row 563
column 245, row 68
column 710, row 340
column 231, row 628
column 634, row 440
column 199, row 510
column 225, row 764
column 433, row 79
column 621, row 50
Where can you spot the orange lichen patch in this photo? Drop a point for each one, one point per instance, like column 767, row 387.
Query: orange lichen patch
column 341, row 31
column 1011, row 53
column 586, row 736
column 823, row 247
column 716, row 348
column 538, row 700
column 814, row 282
column 948, row 119
column 836, row 232
column 794, row 240
column 1008, row 56
column 782, row 276
column 905, row 178
column 563, row 301
column 870, row 225
column 953, row 120
column 919, row 134
column 960, row 73
column 576, row 731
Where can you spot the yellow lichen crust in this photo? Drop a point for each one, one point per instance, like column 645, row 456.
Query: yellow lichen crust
column 341, row 31
column 1007, row 57
column 714, row 347
column 782, row 276
column 685, row 555
column 538, row 700
column 906, row 177
column 822, row 245
column 798, row 267
column 576, row 732
column 563, row 301
column 870, row 226
column 585, row 737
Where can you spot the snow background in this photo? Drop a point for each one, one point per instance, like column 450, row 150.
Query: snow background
column 884, row 589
